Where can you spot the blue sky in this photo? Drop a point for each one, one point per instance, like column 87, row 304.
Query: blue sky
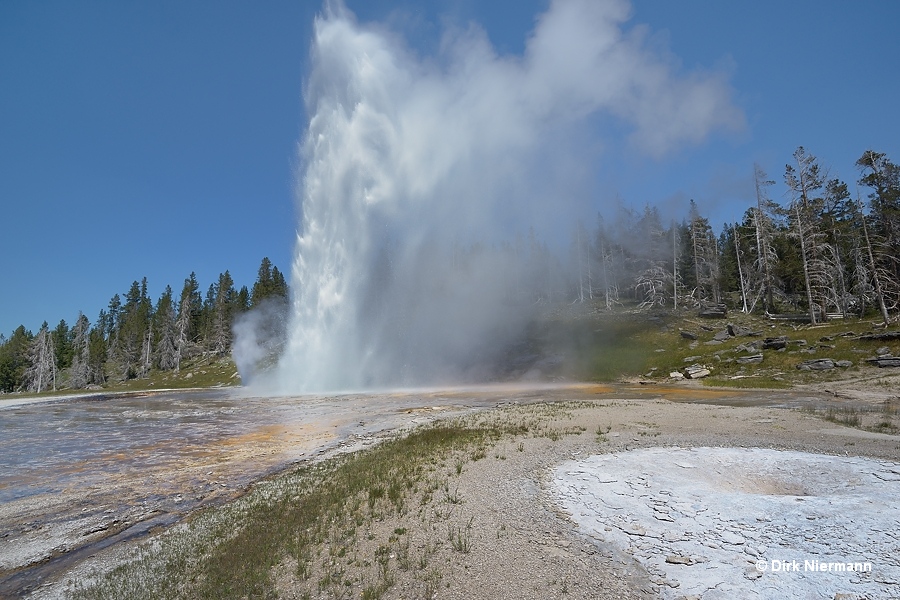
column 159, row 138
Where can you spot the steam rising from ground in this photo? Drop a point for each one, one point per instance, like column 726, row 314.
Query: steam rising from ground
column 420, row 171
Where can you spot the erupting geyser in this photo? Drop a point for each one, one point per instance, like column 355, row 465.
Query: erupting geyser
column 423, row 175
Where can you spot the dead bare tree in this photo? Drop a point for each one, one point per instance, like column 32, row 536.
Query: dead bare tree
column 764, row 228
column 41, row 373
column 80, row 372
column 182, row 327
column 705, row 257
column 876, row 278
column 802, row 182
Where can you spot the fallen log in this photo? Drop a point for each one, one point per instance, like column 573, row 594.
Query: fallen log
column 884, row 335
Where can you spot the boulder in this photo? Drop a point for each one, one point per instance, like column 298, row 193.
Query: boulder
column 816, row 364
column 885, row 361
column 722, row 336
column 738, row 331
column 688, row 335
column 776, row 343
column 717, row 311
column 696, row 371
column 882, row 336
column 749, row 360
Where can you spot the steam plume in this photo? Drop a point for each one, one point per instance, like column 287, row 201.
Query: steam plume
column 412, row 164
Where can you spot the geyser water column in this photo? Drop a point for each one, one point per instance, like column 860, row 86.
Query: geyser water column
column 415, row 170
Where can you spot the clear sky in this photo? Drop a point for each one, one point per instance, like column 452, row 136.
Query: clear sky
column 152, row 139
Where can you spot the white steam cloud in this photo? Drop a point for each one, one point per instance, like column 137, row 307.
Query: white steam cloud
column 417, row 169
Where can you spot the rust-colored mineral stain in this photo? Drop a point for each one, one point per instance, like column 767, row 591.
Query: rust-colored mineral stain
column 691, row 393
column 596, row 388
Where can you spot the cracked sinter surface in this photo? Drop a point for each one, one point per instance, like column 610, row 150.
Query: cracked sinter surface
column 744, row 522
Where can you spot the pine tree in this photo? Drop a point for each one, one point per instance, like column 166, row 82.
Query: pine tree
column 264, row 287
column 270, row 283
column 243, row 300
column 166, row 331
column 186, row 318
column 223, row 313
column 132, row 349
column 63, row 345
column 704, row 256
column 80, row 372
column 14, row 359
column 98, row 350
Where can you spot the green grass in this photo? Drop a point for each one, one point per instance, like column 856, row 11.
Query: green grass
column 877, row 419
column 753, row 382
column 611, row 345
column 600, row 347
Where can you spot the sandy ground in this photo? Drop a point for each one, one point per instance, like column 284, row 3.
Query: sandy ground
column 537, row 532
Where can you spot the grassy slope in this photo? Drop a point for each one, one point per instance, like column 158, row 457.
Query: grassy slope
column 605, row 346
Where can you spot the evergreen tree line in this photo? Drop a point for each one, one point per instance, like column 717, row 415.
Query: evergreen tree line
column 822, row 251
column 132, row 335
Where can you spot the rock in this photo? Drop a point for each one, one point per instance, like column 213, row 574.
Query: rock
column 816, row 364
column 883, row 351
column 676, row 375
column 674, row 559
column 775, row 343
column 688, row 335
column 844, row 363
column 738, row 331
column 882, row 336
column 732, row 538
column 696, row 371
column 749, row 360
column 718, row 311
column 722, row 336
column 885, row 361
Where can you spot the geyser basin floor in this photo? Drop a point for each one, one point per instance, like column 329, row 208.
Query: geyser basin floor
column 242, row 439
column 744, row 522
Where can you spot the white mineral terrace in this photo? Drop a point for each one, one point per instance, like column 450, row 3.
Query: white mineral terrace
column 744, row 522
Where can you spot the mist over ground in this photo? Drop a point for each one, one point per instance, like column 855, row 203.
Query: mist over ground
column 429, row 183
